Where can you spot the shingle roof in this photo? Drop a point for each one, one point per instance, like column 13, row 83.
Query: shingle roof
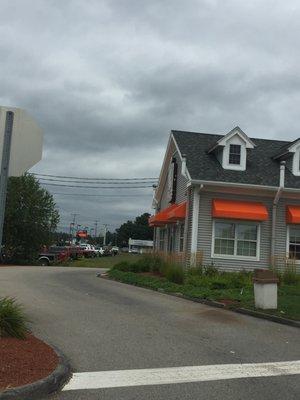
column 261, row 168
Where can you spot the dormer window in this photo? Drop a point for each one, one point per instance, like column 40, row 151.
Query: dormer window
column 296, row 162
column 291, row 154
column 231, row 150
column 235, row 154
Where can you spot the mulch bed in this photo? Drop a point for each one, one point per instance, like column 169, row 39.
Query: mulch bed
column 25, row 361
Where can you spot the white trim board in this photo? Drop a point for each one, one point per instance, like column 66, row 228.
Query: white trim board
column 164, row 376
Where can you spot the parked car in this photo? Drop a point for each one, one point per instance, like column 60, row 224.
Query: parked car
column 115, row 250
column 88, row 250
column 54, row 255
column 134, row 250
column 99, row 250
column 74, row 252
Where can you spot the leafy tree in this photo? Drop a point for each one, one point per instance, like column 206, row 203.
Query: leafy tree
column 31, row 218
column 137, row 229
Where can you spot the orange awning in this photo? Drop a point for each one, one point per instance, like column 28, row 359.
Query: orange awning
column 169, row 215
column 239, row 210
column 178, row 213
column 162, row 217
column 293, row 214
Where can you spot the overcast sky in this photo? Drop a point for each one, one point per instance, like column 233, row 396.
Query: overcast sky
column 108, row 79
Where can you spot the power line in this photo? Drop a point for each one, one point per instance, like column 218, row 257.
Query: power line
column 106, row 183
column 102, row 195
column 95, row 179
column 96, row 187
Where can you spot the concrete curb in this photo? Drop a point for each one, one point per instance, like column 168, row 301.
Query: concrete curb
column 252, row 313
column 44, row 387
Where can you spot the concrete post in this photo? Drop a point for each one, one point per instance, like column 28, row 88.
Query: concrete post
column 265, row 289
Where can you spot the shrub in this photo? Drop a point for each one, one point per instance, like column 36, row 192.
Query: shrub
column 289, row 276
column 196, row 280
column 239, row 279
column 13, row 321
column 195, row 271
column 219, row 282
column 124, row 266
column 210, row 270
column 150, row 262
column 175, row 274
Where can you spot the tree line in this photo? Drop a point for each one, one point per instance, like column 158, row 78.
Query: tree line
column 32, row 217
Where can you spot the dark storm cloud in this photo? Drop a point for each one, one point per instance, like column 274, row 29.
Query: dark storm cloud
column 107, row 80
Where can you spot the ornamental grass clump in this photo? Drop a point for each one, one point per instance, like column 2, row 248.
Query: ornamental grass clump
column 13, row 321
column 174, row 273
column 290, row 276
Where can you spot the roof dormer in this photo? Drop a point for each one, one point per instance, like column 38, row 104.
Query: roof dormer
column 291, row 153
column 231, row 150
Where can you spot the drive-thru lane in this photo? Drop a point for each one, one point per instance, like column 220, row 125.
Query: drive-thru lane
column 107, row 326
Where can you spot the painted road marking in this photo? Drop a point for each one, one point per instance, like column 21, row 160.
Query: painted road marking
column 163, row 376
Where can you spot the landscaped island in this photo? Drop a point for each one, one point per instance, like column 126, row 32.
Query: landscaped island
column 234, row 289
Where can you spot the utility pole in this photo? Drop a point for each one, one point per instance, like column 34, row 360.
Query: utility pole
column 96, row 225
column 104, row 237
column 72, row 225
column 4, row 169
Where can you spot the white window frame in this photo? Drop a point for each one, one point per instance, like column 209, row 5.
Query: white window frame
column 288, row 244
column 235, row 140
column 234, row 256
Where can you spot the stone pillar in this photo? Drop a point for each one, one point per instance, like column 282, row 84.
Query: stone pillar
column 265, row 289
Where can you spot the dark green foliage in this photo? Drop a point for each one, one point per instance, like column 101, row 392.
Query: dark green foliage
column 290, row 276
column 137, row 229
column 138, row 266
column 30, row 219
column 124, row 266
column 151, row 282
column 196, row 271
column 210, row 270
column 152, row 261
column 175, row 274
column 13, row 321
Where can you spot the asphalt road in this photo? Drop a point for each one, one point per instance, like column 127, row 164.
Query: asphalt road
column 103, row 325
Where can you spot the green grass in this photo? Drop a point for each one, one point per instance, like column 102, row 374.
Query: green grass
column 103, row 262
column 236, row 287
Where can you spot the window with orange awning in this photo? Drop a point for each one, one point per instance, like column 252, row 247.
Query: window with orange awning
column 293, row 214
column 244, row 210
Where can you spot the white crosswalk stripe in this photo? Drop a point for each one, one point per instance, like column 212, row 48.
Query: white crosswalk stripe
column 162, row 376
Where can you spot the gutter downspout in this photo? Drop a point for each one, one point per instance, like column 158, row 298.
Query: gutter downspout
column 195, row 223
column 274, row 210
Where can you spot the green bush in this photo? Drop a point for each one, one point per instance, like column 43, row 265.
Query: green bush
column 175, row 274
column 138, row 266
column 196, row 280
column 289, row 276
column 124, row 266
column 239, row 280
column 210, row 270
column 195, row 271
column 219, row 282
column 13, row 321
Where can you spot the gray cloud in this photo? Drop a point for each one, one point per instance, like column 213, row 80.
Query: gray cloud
column 108, row 79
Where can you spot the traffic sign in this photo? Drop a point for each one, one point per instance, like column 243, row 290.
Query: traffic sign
column 26, row 141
